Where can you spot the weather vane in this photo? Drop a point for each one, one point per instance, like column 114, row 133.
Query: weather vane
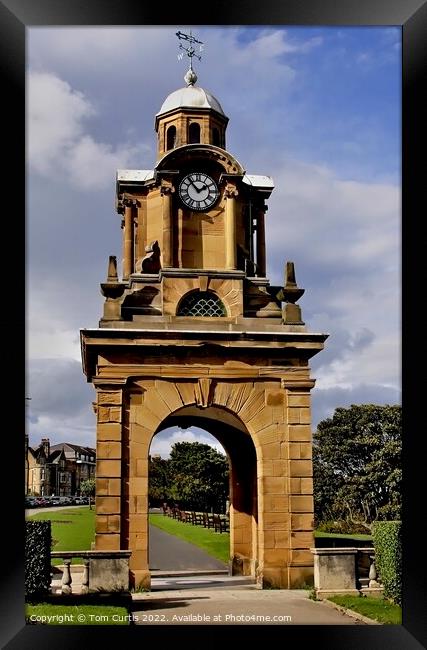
column 190, row 77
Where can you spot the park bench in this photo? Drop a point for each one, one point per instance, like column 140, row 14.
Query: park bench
column 197, row 518
column 208, row 520
column 221, row 524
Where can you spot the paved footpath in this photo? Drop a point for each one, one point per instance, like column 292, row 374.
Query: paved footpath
column 169, row 553
column 246, row 605
column 178, row 598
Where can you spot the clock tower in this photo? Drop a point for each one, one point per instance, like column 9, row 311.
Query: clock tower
column 194, row 334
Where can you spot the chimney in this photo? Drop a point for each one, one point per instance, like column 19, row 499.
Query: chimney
column 46, row 446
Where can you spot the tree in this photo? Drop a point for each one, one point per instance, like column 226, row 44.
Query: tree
column 158, row 483
column 357, row 464
column 197, row 476
column 87, row 488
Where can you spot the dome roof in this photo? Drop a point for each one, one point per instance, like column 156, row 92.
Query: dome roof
column 190, row 97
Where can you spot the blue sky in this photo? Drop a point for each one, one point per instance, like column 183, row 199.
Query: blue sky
column 318, row 109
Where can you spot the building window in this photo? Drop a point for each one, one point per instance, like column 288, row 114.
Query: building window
column 215, row 137
column 170, row 138
column 194, row 133
column 201, row 303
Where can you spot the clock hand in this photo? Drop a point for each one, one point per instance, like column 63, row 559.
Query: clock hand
column 198, row 189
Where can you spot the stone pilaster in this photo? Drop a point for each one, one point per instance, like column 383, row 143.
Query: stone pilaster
column 300, row 483
column 260, row 243
column 230, row 227
column 137, row 492
column 128, row 240
column 108, row 469
column 167, row 191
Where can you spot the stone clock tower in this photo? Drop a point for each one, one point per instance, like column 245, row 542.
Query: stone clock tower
column 194, row 334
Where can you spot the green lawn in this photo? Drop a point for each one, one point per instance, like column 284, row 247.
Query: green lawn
column 49, row 614
column 73, row 529
column 376, row 608
column 361, row 536
column 215, row 544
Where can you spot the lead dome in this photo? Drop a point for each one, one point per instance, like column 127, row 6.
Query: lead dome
column 190, row 97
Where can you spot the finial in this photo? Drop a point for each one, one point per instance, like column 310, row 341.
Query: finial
column 190, row 77
column 112, row 269
column 112, row 288
column 290, row 294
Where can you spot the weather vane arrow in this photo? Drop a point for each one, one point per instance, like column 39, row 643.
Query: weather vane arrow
column 189, row 49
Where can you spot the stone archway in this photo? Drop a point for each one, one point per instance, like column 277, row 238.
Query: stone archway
column 241, row 452
column 271, row 541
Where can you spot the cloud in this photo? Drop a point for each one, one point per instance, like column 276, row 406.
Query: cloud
column 60, row 406
column 163, row 441
column 56, row 316
column 92, row 164
column 55, row 114
column 58, row 142
column 325, row 401
column 336, row 220
column 344, row 237
column 272, row 44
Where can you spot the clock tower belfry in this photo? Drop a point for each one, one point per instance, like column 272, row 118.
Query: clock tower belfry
column 194, row 334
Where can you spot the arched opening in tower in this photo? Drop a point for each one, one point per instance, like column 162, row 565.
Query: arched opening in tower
column 170, row 138
column 202, row 484
column 194, row 133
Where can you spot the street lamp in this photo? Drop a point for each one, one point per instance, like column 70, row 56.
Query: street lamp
column 27, row 464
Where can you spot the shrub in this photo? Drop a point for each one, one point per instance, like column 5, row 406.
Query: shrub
column 37, row 558
column 342, row 527
column 387, row 537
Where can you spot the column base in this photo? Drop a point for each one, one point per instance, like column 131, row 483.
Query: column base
column 140, row 579
column 242, row 566
column 285, row 577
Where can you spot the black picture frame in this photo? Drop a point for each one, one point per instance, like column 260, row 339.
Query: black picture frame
column 15, row 17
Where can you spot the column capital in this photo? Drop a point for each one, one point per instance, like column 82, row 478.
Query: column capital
column 126, row 201
column 166, row 188
column 129, row 203
column 230, row 191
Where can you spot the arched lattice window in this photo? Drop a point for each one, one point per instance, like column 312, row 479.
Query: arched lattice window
column 170, row 138
column 194, row 133
column 201, row 303
column 215, row 137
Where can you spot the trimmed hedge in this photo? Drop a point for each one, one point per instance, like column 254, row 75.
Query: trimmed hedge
column 387, row 538
column 37, row 557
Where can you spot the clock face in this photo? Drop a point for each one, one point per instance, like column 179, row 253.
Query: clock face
column 198, row 191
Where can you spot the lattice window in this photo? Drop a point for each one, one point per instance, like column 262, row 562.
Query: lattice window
column 201, row 303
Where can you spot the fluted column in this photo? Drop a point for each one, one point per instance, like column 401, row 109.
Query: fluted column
column 260, row 242
column 230, row 227
column 128, row 241
column 167, row 249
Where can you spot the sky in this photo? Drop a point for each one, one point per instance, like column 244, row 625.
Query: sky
column 318, row 109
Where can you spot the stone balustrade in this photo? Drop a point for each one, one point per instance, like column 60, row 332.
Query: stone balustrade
column 103, row 571
column 346, row 571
